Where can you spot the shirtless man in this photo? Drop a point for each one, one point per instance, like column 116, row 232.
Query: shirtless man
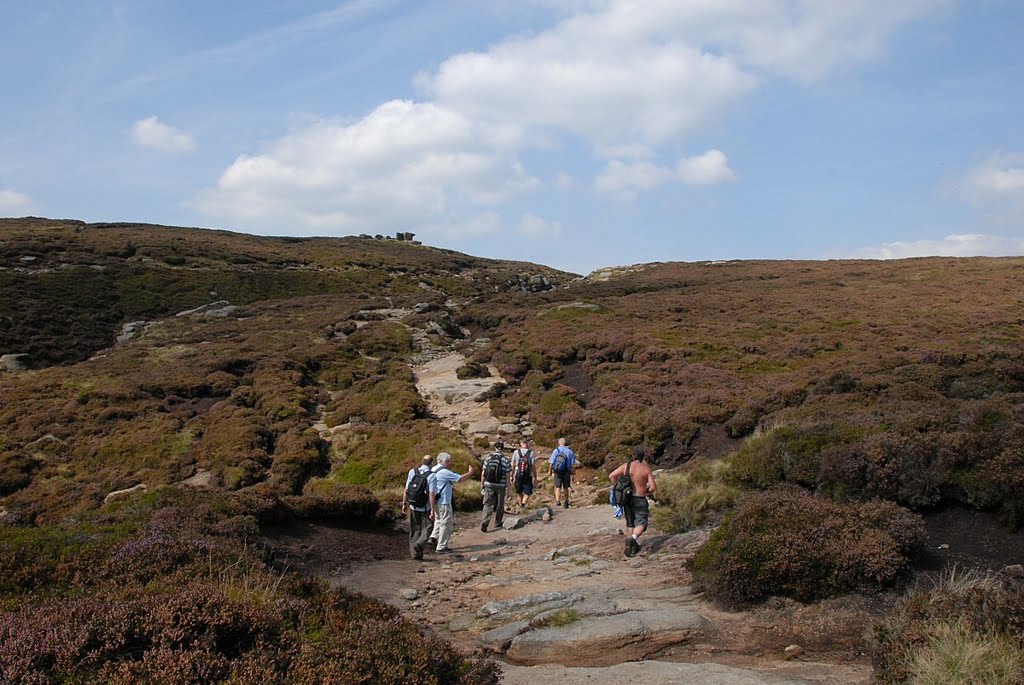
column 637, row 511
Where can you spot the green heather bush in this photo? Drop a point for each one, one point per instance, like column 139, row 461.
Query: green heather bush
column 788, row 454
column 787, row 542
column 967, row 627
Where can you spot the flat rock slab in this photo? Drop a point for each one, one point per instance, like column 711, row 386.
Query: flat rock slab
column 660, row 672
column 606, row 640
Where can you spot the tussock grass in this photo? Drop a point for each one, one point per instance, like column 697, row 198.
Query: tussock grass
column 956, row 654
column 691, row 497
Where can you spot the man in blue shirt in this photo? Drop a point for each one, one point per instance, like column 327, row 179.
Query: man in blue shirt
column 421, row 513
column 444, row 514
column 562, row 466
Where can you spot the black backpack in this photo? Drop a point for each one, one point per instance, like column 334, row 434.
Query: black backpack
column 623, row 488
column 493, row 471
column 418, row 492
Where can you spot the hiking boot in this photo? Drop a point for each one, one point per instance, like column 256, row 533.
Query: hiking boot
column 632, row 548
column 446, row 550
column 432, row 542
column 566, row 504
column 483, row 527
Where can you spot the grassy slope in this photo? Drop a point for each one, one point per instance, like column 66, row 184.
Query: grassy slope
column 899, row 380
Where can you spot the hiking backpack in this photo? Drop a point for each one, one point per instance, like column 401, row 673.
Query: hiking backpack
column 418, row 492
column 493, row 471
column 623, row 488
column 561, row 463
column 523, row 465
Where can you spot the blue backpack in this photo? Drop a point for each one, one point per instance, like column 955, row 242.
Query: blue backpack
column 561, row 464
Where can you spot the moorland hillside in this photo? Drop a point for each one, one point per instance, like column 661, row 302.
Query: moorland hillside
column 813, row 411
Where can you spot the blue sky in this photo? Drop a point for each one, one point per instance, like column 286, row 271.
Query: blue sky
column 576, row 133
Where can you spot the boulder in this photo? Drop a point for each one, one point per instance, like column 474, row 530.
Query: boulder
column 15, row 362
column 130, row 330
column 410, row 593
column 606, row 640
column 508, row 428
column 498, row 639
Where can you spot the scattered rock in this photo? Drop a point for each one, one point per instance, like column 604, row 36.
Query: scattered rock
column 203, row 478
column 9, row 518
column 1014, row 571
column 27, row 259
column 508, row 428
column 124, row 494
column 16, row 362
column 131, row 329
column 48, row 440
column 424, row 307
column 410, row 593
column 218, row 308
column 580, row 305
column 793, row 651
column 540, row 514
column 528, row 605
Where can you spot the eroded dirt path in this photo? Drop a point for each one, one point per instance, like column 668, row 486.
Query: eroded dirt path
column 554, row 598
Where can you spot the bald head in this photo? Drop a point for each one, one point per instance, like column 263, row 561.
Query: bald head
column 561, row 442
column 428, row 459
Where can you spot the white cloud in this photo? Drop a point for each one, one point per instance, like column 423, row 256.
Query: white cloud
column 623, row 76
column 623, row 72
column 625, row 180
column 404, row 165
column 997, row 182
column 710, row 168
column 956, row 245
column 535, row 227
column 153, row 133
column 13, row 203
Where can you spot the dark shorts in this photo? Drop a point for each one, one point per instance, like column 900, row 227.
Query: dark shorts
column 562, row 480
column 637, row 513
column 524, row 485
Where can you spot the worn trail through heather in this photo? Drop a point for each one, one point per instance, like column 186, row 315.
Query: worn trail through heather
column 552, row 596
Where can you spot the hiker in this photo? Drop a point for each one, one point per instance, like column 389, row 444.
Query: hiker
column 524, row 472
column 495, row 477
column 631, row 493
column 444, row 483
column 418, row 499
column 563, row 468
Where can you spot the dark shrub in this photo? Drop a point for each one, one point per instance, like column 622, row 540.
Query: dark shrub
column 472, row 370
column 790, row 543
column 324, row 500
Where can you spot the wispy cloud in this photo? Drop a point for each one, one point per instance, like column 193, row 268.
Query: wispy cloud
column 625, row 180
column 956, row 245
column 13, row 203
column 252, row 48
column 535, row 227
column 153, row 133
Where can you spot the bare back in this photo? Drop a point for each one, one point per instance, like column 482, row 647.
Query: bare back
column 641, row 475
